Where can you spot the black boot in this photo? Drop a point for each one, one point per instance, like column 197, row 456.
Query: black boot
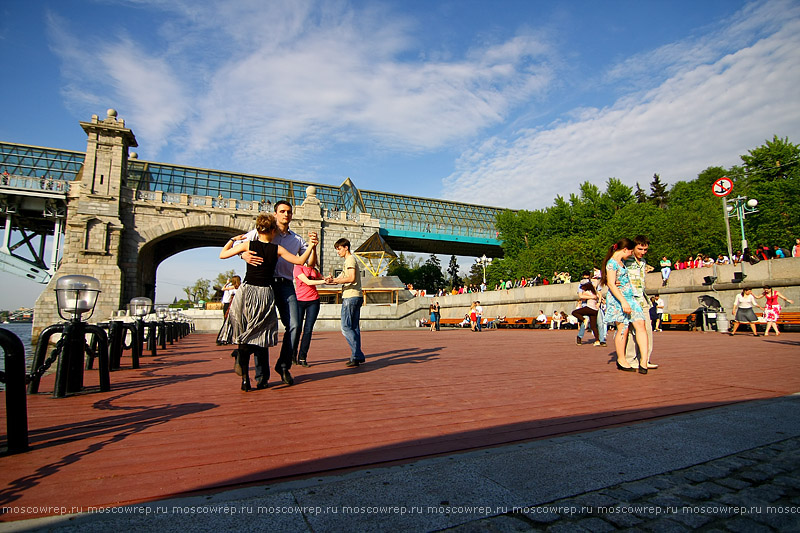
column 242, row 366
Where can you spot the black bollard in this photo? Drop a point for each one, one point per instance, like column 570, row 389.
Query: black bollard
column 16, row 401
column 116, row 332
column 152, row 338
column 162, row 334
column 102, row 355
column 136, row 341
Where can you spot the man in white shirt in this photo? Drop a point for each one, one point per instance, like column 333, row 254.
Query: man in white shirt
column 637, row 270
column 541, row 320
column 659, row 312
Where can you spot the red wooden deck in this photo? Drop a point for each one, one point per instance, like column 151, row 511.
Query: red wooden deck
column 180, row 424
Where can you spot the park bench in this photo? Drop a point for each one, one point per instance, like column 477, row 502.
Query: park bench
column 787, row 320
column 677, row 320
column 519, row 322
column 791, row 319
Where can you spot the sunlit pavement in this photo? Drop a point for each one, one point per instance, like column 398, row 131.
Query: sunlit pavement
column 437, row 430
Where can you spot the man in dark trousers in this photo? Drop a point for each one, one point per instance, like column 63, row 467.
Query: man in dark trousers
column 283, row 286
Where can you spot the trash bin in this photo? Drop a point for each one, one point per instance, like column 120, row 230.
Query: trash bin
column 722, row 322
column 708, row 311
column 706, row 318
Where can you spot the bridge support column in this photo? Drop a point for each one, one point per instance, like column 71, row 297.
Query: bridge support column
column 93, row 226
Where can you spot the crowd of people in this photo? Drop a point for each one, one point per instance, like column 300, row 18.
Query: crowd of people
column 752, row 256
column 281, row 281
column 758, row 254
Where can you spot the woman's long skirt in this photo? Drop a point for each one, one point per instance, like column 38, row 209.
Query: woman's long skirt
column 252, row 317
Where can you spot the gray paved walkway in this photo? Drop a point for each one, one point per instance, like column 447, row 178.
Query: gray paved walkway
column 732, row 468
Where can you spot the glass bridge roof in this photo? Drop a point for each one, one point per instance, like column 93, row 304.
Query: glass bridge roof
column 399, row 212
column 36, row 162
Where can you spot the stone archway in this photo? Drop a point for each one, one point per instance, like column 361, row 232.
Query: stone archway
column 163, row 241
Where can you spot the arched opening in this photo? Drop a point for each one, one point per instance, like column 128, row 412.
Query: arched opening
column 176, row 260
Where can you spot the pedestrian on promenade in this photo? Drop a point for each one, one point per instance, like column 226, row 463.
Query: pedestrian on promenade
column 228, row 292
column 437, row 315
column 432, row 311
column 472, row 316
column 588, row 306
column 659, row 305
column 621, row 306
column 666, row 268
column 743, row 311
column 306, row 280
column 283, row 286
column 478, row 315
column 772, row 308
column 352, row 300
column 254, row 324
column 637, row 270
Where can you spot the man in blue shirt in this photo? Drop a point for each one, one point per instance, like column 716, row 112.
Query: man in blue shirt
column 285, row 298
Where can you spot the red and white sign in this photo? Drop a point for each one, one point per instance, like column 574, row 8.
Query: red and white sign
column 722, row 187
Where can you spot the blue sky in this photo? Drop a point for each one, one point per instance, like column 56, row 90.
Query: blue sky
column 504, row 103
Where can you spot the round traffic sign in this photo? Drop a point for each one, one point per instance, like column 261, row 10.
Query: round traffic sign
column 722, row 187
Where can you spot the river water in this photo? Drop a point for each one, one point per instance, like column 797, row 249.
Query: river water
column 23, row 331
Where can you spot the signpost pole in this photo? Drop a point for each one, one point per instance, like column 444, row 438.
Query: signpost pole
column 727, row 228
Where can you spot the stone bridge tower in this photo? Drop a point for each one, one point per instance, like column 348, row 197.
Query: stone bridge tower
column 94, row 225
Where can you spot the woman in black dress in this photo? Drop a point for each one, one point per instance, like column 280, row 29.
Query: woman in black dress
column 254, row 322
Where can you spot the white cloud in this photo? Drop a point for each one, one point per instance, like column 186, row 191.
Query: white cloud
column 705, row 113
column 270, row 82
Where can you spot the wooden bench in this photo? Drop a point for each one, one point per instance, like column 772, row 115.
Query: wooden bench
column 787, row 319
column 454, row 322
column 523, row 322
column 677, row 320
column 516, row 322
column 791, row 319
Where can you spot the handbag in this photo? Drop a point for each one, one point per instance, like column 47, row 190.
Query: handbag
column 665, row 317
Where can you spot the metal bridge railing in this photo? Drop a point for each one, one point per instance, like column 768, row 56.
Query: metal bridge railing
column 28, row 183
column 161, row 197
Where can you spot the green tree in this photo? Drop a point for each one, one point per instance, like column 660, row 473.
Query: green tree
column 772, row 176
column 640, row 195
column 429, row 277
column 434, row 260
column 452, row 271
column 681, row 220
column 475, row 275
column 198, row 291
column 222, row 278
column 659, row 194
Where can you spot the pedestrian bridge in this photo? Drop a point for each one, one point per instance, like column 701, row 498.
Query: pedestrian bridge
column 407, row 223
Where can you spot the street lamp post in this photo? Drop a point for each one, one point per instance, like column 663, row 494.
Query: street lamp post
column 76, row 295
column 484, row 261
column 739, row 207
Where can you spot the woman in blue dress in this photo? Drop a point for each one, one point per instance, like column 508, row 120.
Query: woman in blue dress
column 621, row 306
